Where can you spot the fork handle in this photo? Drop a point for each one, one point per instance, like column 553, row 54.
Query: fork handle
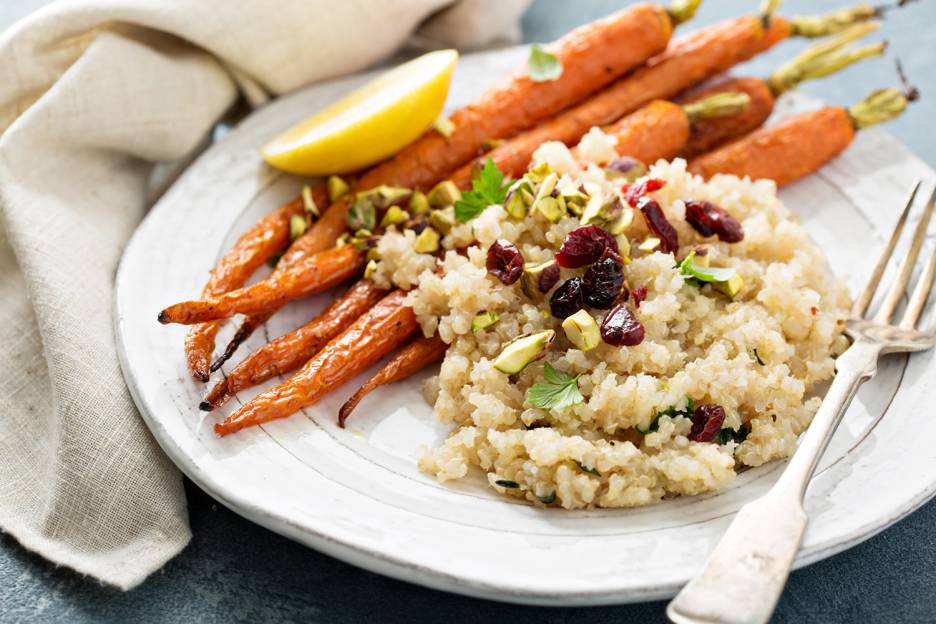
column 745, row 574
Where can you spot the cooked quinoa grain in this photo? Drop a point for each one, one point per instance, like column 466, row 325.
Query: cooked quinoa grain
column 759, row 355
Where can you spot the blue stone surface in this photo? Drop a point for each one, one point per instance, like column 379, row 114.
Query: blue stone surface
column 235, row 571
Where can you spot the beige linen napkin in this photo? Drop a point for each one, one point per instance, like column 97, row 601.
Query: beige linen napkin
column 93, row 93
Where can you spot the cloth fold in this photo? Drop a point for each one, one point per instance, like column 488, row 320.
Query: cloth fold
column 95, row 94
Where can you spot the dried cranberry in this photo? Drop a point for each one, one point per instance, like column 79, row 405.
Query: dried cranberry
column 548, row 278
column 602, row 283
column 505, row 261
column 585, row 245
column 657, row 223
column 621, row 327
column 708, row 219
column 623, row 164
column 640, row 294
column 707, row 421
column 567, row 300
column 633, row 192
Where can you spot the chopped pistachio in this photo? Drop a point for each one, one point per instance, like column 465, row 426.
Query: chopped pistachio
column 370, row 269
column 342, row 240
column 337, row 187
column 602, row 211
column 483, row 321
column 373, row 254
column 362, row 214
column 649, row 244
column 582, row 330
column 394, row 216
column 538, row 173
column 427, row 241
column 731, row 287
column 384, row 195
column 490, row 144
column 443, row 220
column 444, row 126
column 443, row 194
column 550, row 208
column 536, row 276
column 520, row 352
column 620, row 225
column 575, row 201
column 297, row 226
column 519, row 198
column 308, row 202
column 418, row 203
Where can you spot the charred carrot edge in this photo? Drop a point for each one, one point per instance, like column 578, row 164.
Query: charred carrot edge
column 688, row 60
column 383, row 328
column 308, row 277
column 252, row 249
column 292, row 350
column 411, row 359
column 708, row 133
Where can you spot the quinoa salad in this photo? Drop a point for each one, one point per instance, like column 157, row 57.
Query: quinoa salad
column 616, row 335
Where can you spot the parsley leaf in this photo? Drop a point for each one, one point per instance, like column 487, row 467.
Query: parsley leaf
column 557, row 392
column 543, row 66
column 671, row 411
column 487, row 188
column 732, row 435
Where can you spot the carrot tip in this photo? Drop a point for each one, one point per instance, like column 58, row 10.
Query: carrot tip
column 163, row 317
column 205, row 406
column 201, row 376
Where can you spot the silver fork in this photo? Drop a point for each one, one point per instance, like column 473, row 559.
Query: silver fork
column 745, row 574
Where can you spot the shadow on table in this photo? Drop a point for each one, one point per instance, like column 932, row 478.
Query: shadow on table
column 234, row 571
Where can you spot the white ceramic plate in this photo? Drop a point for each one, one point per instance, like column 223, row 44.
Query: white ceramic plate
column 357, row 494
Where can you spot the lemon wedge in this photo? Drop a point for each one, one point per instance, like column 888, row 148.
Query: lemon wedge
column 369, row 124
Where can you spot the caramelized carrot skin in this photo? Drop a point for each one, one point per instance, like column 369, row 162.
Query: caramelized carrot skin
column 688, row 60
column 591, row 56
column 711, row 132
column 308, row 277
column 235, row 267
column 411, row 359
column 383, row 328
column 658, row 130
column 784, row 152
column 292, row 350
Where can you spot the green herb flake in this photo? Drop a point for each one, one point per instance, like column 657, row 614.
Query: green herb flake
column 362, row 215
column 444, row 126
column 543, row 66
column 487, row 188
column 591, row 471
column 705, row 274
column 558, row 391
column 507, row 483
column 672, row 411
column 548, row 499
column 731, row 435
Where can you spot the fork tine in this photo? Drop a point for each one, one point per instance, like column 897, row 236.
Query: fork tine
column 862, row 303
column 897, row 289
column 920, row 294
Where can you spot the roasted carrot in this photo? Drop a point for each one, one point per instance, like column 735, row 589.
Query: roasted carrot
column 411, row 359
column 308, row 277
column 379, row 331
column 816, row 62
column 252, row 249
column 290, row 351
column 591, row 56
column 802, row 143
column 688, row 60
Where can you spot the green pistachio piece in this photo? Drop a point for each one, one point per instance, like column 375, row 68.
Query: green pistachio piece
column 443, row 194
column 343, row 240
column 362, row 214
column 308, row 202
column 297, row 226
column 520, row 352
column 538, row 173
column 444, row 126
column 394, row 216
column 427, row 241
column 337, row 188
column 443, row 220
column 550, row 208
column 731, row 287
column 483, row 321
column 418, row 203
column 373, row 254
column 383, row 195
column 649, row 244
column 370, row 269
column 623, row 221
column 582, row 330
column 535, row 280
